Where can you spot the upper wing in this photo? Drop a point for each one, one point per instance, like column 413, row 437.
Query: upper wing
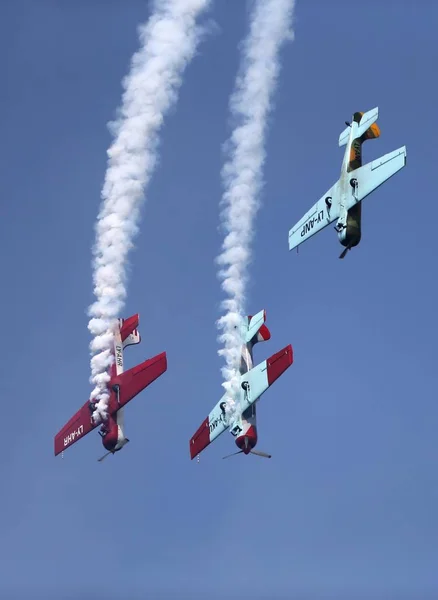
column 324, row 212
column 78, row 426
column 263, row 376
column 372, row 175
column 258, row 379
column 133, row 381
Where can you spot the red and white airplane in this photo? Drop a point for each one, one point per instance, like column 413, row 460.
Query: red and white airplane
column 123, row 386
column 254, row 381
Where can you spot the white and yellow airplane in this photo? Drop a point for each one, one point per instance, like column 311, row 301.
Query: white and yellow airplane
column 342, row 202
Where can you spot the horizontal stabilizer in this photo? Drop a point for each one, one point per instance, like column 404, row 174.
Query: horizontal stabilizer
column 135, row 380
column 255, row 330
column 127, row 326
column 366, row 121
column 372, row 175
column 343, row 138
column 359, row 129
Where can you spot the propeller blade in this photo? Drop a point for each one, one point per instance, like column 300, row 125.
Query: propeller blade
column 104, row 456
column 263, row 454
column 343, row 254
column 234, row 454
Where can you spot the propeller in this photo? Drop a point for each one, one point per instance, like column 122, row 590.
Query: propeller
column 234, row 454
column 256, row 452
column 344, row 252
column 104, row 456
column 262, row 454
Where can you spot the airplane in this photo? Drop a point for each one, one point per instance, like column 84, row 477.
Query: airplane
column 254, row 381
column 343, row 200
column 123, row 386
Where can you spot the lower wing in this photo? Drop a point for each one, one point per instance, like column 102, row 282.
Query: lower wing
column 372, row 175
column 252, row 385
column 78, row 426
column 324, row 212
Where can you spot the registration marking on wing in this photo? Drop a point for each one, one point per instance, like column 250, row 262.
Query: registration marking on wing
column 73, row 435
column 310, row 223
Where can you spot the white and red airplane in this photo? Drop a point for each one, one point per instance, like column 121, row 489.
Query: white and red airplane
column 254, row 381
column 123, row 386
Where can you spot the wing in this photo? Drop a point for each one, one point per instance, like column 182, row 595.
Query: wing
column 258, row 379
column 133, row 381
column 264, row 375
column 372, row 175
column 210, row 428
column 78, row 426
column 324, row 212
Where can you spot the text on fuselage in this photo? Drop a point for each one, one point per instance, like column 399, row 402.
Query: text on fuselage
column 119, row 356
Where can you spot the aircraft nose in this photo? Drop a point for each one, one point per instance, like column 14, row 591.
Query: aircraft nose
column 247, row 441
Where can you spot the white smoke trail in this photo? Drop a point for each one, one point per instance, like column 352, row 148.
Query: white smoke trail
column 250, row 104
column 168, row 42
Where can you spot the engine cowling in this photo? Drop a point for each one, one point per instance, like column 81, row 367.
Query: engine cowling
column 247, row 440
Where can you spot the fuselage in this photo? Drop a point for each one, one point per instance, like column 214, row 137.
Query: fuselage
column 247, row 438
column 112, row 431
column 351, row 235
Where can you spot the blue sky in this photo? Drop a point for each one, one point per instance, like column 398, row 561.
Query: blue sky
column 346, row 508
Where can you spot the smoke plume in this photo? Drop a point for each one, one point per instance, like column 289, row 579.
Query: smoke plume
column 168, row 42
column 251, row 101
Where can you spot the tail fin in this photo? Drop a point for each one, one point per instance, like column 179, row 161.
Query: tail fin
column 362, row 123
column 129, row 331
column 254, row 328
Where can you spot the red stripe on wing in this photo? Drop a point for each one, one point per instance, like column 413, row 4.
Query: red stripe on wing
column 278, row 363
column 200, row 440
